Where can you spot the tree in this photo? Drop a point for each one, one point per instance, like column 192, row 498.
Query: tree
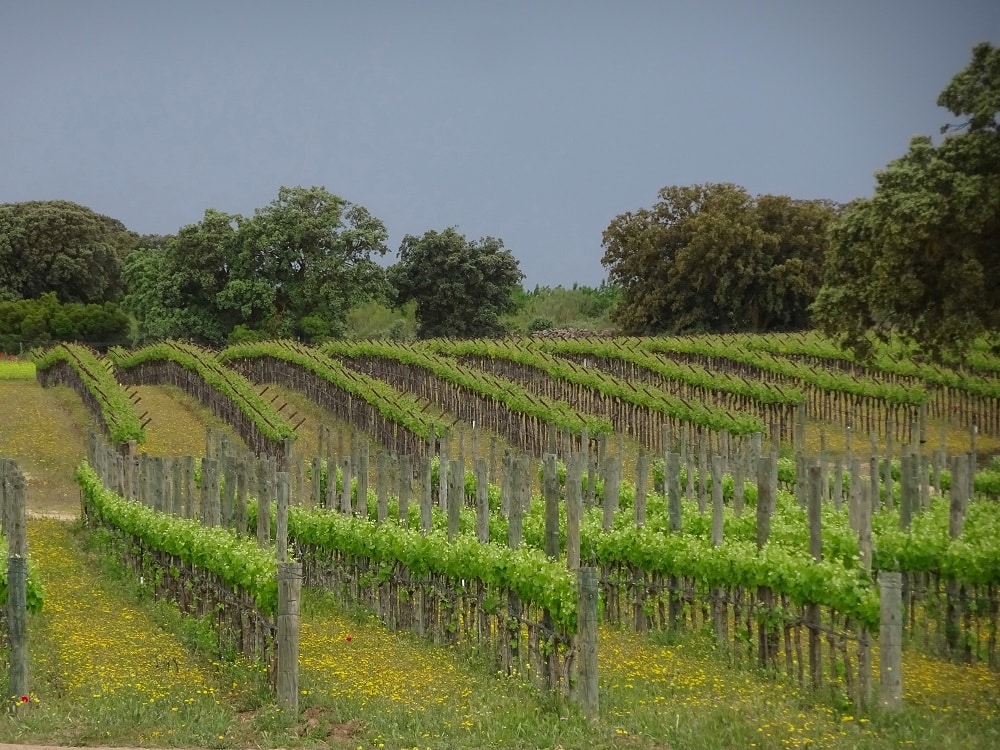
column 713, row 258
column 920, row 259
column 461, row 287
column 294, row 269
column 61, row 247
column 303, row 262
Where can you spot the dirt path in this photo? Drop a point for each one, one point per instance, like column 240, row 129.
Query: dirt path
column 44, row 430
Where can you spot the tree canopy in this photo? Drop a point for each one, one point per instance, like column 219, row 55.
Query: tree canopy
column 920, row 259
column 714, row 258
column 293, row 269
column 60, row 247
column 461, row 288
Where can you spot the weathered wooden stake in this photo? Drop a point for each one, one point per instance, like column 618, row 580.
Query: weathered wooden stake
column 481, row 470
column 455, row 496
column 574, row 509
column 586, row 617
column 891, row 641
column 550, row 488
column 288, row 623
column 281, row 527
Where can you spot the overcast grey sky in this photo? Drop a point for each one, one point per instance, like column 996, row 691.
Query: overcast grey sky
column 536, row 122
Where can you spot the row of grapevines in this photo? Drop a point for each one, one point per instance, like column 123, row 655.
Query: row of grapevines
column 786, row 568
column 116, row 409
column 640, row 394
column 395, row 405
column 513, row 396
column 627, row 350
column 525, row 571
column 903, row 366
column 223, row 380
column 825, row 380
column 238, row 562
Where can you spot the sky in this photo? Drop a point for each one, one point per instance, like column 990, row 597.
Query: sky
column 535, row 122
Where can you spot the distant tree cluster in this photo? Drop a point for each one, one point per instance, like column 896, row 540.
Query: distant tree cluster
column 61, row 247
column 919, row 260
column 461, row 288
column 714, row 258
column 29, row 323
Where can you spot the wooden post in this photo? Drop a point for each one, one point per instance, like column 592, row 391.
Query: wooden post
column 317, row 482
column 703, row 474
column 455, row 496
column 586, row 617
column 382, row 486
column 243, row 468
column 550, row 488
column 766, row 646
column 739, row 479
column 891, row 641
column 281, row 527
column 17, row 580
column 228, row 505
column 209, row 491
column 346, row 485
column 515, row 517
column 574, row 508
column 426, row 496
column 481, row 470
column 405, row 488
column 265, row 490
column 287, row 621
column 719, row 608
column 812, row 613
column 673, row 481
column 960, row 466
column 641, row 476
column 361, row 502
column 156, row 483
column 860, row 511
column 887, row 467
column 907, row 491
column 443, row 473
column 612, row 486
column 717, row 518
column 874, row 486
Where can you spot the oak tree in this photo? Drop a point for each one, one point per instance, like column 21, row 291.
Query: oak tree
column 714, row 258
column 461, row 287
column 920, row 259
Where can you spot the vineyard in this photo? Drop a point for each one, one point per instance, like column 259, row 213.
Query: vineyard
column 583, row 516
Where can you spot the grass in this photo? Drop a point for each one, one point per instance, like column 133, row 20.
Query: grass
column 12, row 369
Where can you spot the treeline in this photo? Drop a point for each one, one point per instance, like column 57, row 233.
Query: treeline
column 916, row 262
column 30, row 323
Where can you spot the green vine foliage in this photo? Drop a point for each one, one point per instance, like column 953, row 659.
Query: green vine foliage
column 513, row 396
column 628, row 350
column 525, row 572
column 395, row 405
column 638, row 394
column 225, row 381
column 827, row 380
column 885, row 360
column 238, row 562
column 117, row 409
